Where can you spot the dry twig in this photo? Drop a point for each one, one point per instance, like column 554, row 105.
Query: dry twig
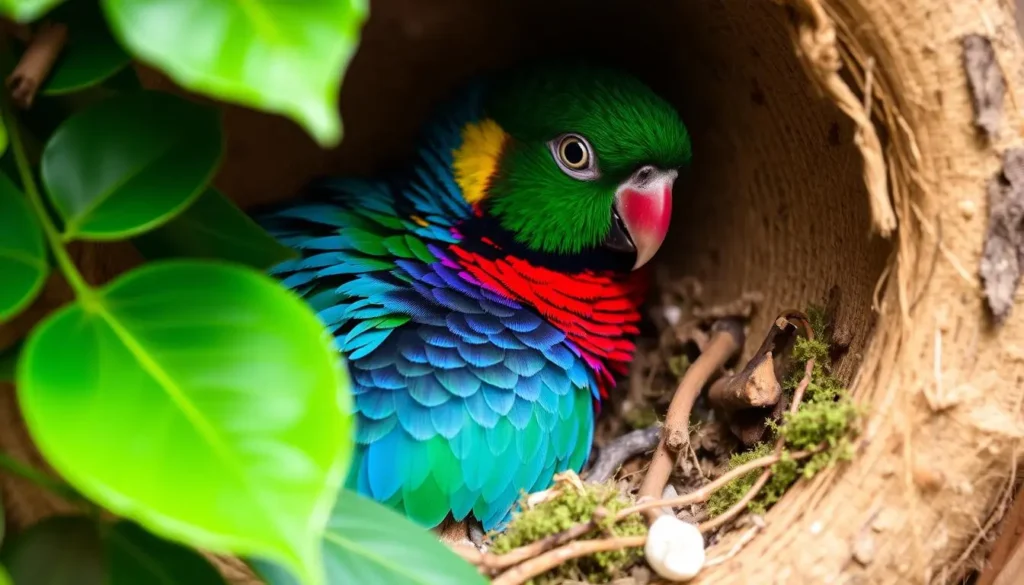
column 37, row 61
column 798, row 396
column 551, row 559
column 726, row 340
column 492, row 563
column 747, row 398
column 540, row 556
column 614, row 454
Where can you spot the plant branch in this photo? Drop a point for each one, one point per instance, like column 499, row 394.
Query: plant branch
column 34, row 67
column 620, row 450
column 551, row 559
column 39, row 478
column 780, row 442
column 82, row 289
column 726, row 340
column 492, row 563
column 704, row 492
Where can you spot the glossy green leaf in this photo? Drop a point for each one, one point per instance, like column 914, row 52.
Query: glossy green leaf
column 282, row 57
column 26, row 10
column 202, row 400
column 214, row 227
column 135, row 556
column 366, row 542
column 75, row 550
column 91, row 54
column 23, row 262
column 5, row 577
column 130, row 163
column 60, row 550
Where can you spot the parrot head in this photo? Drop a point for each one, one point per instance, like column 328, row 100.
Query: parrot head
column 576, row 163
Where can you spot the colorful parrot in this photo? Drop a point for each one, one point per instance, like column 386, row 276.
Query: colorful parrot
column 486, row 299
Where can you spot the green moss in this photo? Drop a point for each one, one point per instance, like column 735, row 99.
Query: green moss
column 731, row 493
column 826, row 415
column 678, row 364
column 568, row 509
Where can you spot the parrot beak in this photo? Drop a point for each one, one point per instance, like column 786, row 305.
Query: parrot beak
column 641, row 213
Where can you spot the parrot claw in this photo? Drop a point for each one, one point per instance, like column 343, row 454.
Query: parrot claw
column 461, row 534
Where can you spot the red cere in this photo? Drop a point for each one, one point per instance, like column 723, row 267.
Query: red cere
column 597, row 311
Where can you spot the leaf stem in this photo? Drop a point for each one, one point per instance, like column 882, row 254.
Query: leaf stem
column 78, row 284
column 25, row 471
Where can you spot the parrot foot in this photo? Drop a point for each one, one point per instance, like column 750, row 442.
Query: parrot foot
column 461, row 534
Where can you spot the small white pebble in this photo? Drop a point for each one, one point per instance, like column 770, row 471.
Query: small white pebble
column 673, row 314
column 674, row 549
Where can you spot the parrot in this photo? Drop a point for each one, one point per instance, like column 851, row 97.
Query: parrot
column 486, row 295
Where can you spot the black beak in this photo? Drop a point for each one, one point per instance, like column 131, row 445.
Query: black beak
column 618, row 237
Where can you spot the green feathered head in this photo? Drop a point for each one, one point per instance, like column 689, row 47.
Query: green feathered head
column 575, row 159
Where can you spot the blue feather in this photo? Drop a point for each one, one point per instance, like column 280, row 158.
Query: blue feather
column 485, row 324
column 526, row 363
column 481, row 356
column 376, row 404
column 521, row 414
column 444, row 357
column 498, row 400
column 414, row 417
column 460, row 382
column 427, row 391
column 529, row 387
column 448, row 418
column 481, row 411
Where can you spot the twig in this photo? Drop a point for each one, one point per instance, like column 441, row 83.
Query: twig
column 552, row 559
column 492, row 563
column 542, row 555
column 704, row 492
column 614, row 454
column 748, row 397
column 735, row 550
column 726, row 340
column 37, row 61
column 798, row 395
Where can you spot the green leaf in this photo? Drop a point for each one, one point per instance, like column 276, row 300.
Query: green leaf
column 282, row 57
column 23, row 262
column 366, row 542
column 60, row 550
column 75, row 550
column 91, row 54
column 135, row 556
column 220, row 393
column 26, row 10
column 130, row 163
column 5, row 577
column 213, row 227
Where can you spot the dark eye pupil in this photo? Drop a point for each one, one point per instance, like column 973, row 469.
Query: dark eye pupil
column 574, row 153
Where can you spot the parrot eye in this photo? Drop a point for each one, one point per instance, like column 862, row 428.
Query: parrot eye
column 574, row 156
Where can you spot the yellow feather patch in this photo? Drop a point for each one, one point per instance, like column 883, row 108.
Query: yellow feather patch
column 477, row 159
column 419, row 220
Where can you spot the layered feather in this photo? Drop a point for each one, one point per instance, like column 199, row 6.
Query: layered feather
column 474, row 376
